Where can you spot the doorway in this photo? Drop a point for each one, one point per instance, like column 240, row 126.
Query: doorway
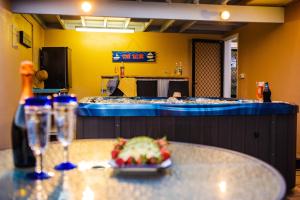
column 207, row 63
column 230, row 67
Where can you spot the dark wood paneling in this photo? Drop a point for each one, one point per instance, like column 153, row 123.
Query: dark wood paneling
column 196, row 127
column 281, row 143
column 237, row 133
column 282, row 148
column 117, row 126
column 211, row 128
column 92, row 127
column 133, row 126
column 263, row 137
column 167, row 127
column 224, row 132
column 79, row 127
column 106, row 128
column 153, row 127
column 291, row 154
column 182, row 129
column 251, row 143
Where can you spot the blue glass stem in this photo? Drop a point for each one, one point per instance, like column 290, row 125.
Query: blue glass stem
column 66, row 153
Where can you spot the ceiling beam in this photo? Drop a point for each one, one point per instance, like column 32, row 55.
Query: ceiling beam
column 127, row 23
column 147, row 24
column 211, row 28
column 39, row 21
column 61, row 22
column 153, row 10
column 166, row 25
column 83, row 21
column 186, row 26
column 240, row 2
column 105, row 22
column 225, row 2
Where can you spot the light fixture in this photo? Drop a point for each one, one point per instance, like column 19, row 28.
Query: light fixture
column 86, row 6
column 104, row 30
column 225, row 15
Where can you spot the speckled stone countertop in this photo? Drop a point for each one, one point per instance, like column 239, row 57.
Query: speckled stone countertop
column 198, row 172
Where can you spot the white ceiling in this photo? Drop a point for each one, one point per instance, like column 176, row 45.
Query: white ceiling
column 154, row 24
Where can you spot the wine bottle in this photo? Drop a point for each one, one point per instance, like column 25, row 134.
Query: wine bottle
column 266, row 93
column 180, row 68
column 22, row 154
column 122, row 70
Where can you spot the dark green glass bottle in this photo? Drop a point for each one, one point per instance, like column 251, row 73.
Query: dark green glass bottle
column 267, row 93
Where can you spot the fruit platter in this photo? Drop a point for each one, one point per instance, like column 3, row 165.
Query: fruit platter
column 141, row 154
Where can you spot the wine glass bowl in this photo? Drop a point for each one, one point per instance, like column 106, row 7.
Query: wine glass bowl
column 64, row 109
column 38, row 116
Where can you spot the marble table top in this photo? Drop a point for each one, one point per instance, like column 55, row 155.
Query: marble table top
column 198, row 172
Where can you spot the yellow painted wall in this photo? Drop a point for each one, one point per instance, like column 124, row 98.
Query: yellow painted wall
column 272, row 53
column 92, row 55
column 10, row 59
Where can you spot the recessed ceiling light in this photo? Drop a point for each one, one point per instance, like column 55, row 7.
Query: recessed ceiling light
column 86, row 6
column 225, row 15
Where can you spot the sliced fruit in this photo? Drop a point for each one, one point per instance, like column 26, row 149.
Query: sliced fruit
column 162, row 142
column 130, row 161
column 121, row 141
column 115, row 153
column 140, row 150
column 118, row 147
column 165, row 154
column 136, row 147
column 153, row 161
column 120, row 162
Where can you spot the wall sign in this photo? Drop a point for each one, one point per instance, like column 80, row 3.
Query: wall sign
column 133, row 56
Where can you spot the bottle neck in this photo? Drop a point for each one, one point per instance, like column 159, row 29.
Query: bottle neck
column 26, row 90
column 266, row 85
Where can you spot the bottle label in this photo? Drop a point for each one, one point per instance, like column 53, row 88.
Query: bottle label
column 122, row 72
column 20, row 116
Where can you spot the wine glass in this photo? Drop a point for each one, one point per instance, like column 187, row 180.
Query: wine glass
column 64, row 108
column 37, row 115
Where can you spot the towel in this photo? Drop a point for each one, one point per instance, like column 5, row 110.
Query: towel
column 162, row 87
column 128, row 87
column 112, row 85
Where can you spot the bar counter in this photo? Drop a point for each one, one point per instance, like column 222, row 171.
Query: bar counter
column 264, row 130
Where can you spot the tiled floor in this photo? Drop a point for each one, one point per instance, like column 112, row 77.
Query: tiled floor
column 295, row 193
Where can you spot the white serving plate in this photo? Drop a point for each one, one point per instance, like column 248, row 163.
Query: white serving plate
column 141, row 168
